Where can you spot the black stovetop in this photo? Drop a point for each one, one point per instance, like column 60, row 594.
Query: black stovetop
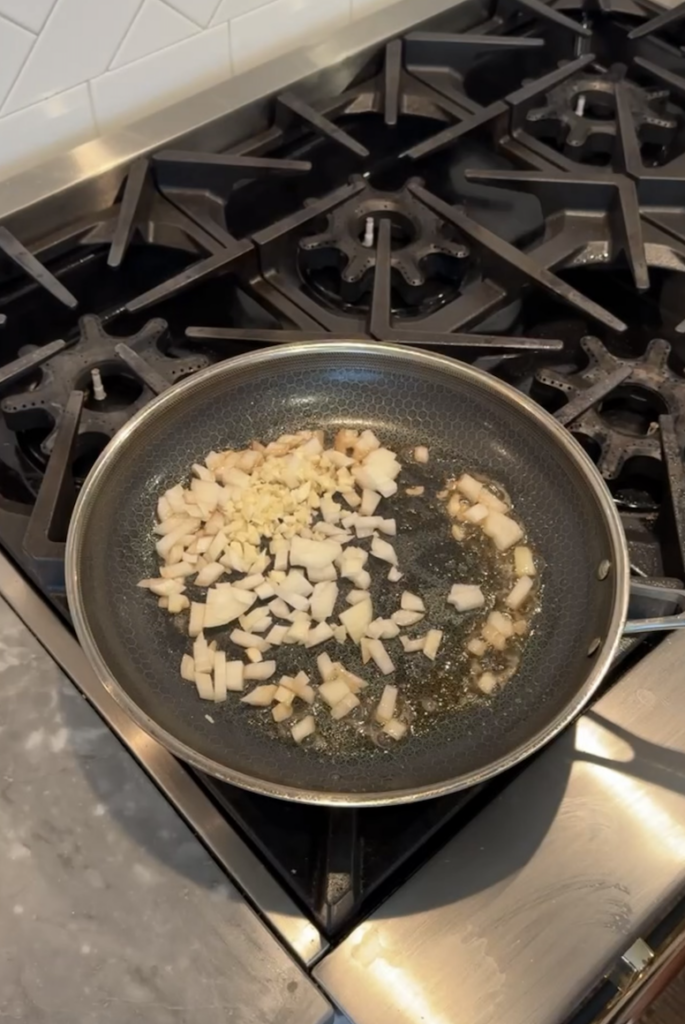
column 512, row 195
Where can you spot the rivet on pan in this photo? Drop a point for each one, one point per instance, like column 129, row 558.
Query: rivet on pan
column 594, row 647
column 604, row 569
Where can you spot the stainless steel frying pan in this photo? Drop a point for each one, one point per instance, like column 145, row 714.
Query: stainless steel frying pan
column 469, row 420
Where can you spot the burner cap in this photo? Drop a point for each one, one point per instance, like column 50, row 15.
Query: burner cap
column 341, row 259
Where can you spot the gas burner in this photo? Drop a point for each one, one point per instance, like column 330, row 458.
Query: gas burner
column 579, row 115
column 118, row 375
column 621, row 415
column 339, row 263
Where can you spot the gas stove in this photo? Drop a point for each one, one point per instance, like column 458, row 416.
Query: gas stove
column 505, row 184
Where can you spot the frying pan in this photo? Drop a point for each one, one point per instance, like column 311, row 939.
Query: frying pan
column 469, row 421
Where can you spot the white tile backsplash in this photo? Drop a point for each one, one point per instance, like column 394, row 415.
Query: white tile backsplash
column 15, row 46
column 77, row 43
column 138, row 89
column 281, row 25
column 155, row 27
column 30, row 14
column 199, row 11
column 71, row 69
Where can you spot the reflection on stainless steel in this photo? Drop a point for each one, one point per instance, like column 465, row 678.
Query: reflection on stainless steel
column 214, row 830
column 595, row 838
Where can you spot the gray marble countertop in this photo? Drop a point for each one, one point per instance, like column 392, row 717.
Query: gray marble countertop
column 111, row 912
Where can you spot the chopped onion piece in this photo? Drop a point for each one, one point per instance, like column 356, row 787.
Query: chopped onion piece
column 261, row 696
column 224, row 605
column 298, row 632
column 344, row 706
column 357, row 618
column 178, row 571
column 197, row 619
column 370, row 502
column 333, row 691
column 325, row 666
column 220, row 676
column 177, row 603
column 477, row 513
column 487, row 682
column 243, row 639
column 253, row 655
column 458, row 532
column 366, row 653
column 304, row 728
column 209, row 575
column 466, row 597
column 327, row 575
column 277, row 635
column 234, row 676
column 405, row 618
column 381, row 657
column 361, row 579
column 284, row 695
column 205, row 686
column 477, row 647
column 421, row 454
column 414, row 492
column 412, row 646
column 504, row 531
column 319, row 635
column 355, row 596
column 340, row 634
column 395, row 728
column 264, row 591
column 296, row 601
column 204, row 657
column 523, row 562
column 386, row 707
column 314, row 554
column 469, row 487
column 188, row 668
column 518, row 596
column 280, row 609
column 502, row 623
column 381, row 549
column 411, row 603
column 433, row 641
column 323, row 601
column 493, row 637
column 395, row 575
column 492, row 502
column 250, row 582
column 281, row 712
column 261, row 671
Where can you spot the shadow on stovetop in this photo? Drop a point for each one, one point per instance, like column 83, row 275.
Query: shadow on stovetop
column 296, row 845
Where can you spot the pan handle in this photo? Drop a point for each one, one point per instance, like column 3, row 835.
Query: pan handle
column 662, row 623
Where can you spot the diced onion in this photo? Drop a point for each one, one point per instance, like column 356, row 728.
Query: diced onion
column 421, row 454
column 518, row 596
column 411, row 602
column 523, row 562
column 433, row 641
column 466, row 597
column 304, row 728
column 395, row 728
column 386, row 707
column 261, row 696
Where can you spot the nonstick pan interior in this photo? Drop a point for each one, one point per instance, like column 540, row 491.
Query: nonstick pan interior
column 407, row 398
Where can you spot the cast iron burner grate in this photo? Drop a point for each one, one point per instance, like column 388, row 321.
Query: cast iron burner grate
column 339, row 262
column 579, row 116
column 118, row 375
column 624, row 400
column 340, row 863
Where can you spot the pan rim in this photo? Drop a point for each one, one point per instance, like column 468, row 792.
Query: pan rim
column 619, row 577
